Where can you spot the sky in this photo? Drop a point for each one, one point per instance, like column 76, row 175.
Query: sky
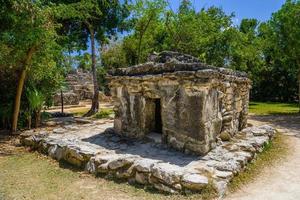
column 258, row 9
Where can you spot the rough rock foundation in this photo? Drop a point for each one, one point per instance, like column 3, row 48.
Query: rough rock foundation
column 145, row 162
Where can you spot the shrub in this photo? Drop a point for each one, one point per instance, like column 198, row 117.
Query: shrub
column 103, row 114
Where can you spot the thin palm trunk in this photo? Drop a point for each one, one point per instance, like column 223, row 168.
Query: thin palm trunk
column 29, row 121
column 299, row 91
column 18, row 100
column 62, row 101
column 37, row 118
column 20, row 89
column 142, row 32
column 298, row 62
column 95, row 101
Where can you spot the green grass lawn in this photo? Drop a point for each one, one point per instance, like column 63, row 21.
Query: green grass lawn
column 271, row 108
column 30, row 175
column 103, row 113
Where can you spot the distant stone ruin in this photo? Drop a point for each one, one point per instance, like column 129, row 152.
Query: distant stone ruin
column 79, row 87
column 190, row 104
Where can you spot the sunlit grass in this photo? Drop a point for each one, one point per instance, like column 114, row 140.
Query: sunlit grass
column 104, row 113
column 271, row 108
column 34, row 176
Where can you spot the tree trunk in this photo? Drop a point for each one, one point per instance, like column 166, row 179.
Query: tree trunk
column 18, row 100
column 299, row 91
column 20, row 89
column 298, row 78
column 62, row 101
column 142, row 32
column 37, row 118
column 139, row 48
column 29, row 121
column 95, row 101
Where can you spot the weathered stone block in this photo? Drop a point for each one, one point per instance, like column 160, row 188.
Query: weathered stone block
column 194, row 181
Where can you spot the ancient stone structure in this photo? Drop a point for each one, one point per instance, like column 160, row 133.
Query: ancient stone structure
column 189, row 103
column 79, row 87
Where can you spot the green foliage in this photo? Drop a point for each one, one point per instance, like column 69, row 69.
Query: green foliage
column 52, row 30
column 147, row 19
column 84, row 61
column 35, row 99
column 268, row 52
column 271, row 108
column 79, row 18
column 104, row 113
column 206, row 34
column 114, row 56
column 27, row 26
column 101, row 78
column 281, row 35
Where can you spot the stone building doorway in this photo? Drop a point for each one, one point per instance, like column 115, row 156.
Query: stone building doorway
column 157, row 117
column 154, row 123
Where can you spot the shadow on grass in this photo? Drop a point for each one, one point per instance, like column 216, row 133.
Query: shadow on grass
column 207, row 193
column 138, row 186
column 65, row 165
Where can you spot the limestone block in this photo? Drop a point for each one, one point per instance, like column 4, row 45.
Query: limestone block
column 142, row 178
column 167, row 173
column 122, row 161
column 144, row 165
column 223, row 174
column 194, row 181
column 57, row 152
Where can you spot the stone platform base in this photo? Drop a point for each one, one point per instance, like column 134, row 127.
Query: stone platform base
column 95, row 148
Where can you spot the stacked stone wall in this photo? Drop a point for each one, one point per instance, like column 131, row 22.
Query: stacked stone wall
column 79, row 87
column 198, row 103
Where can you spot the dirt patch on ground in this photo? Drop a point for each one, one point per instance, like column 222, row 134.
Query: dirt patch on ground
column 9, row 145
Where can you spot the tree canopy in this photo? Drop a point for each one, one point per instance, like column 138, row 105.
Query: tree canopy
column 28, row 49
column 40, row 41
column 92, row 21
column 267, row 51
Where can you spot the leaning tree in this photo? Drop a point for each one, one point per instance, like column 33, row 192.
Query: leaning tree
column 26, row 31
column 90, row 21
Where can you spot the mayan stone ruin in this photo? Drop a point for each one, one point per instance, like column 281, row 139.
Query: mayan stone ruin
column 190, row 104
column 164, row 109
column 79, row 87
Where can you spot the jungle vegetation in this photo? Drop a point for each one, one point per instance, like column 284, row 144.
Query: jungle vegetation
column 42, row 40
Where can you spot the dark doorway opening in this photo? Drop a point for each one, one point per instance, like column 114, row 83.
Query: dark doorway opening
column 153, row 119
column 157, row 119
